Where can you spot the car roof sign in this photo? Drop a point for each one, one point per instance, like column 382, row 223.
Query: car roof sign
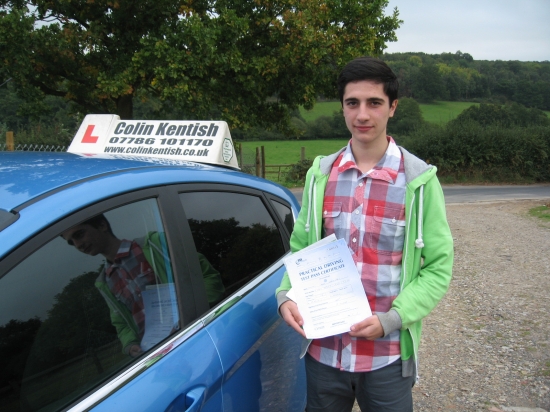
column 189, row 140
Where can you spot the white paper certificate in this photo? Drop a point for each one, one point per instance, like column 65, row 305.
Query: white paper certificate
column 327, row 289
column 161, row 313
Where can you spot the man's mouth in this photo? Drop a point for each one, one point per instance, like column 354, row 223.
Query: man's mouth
column 363, row 128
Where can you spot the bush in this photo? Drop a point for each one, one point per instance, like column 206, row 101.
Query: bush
column 491, row 143
column 39, row 134
column 488, row 153
column 508, row 115
column 296, row 174
column 407, row 118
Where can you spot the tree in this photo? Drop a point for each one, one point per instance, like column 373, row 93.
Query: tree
column 16, row 339
column 17, row 115
column 428, row 84
column 407, row 118
column 78, row 321
column 246, row 61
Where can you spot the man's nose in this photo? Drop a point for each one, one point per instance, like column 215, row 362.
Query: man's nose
column 363, row 113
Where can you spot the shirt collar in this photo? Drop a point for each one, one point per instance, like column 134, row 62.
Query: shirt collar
column 386, row 169
column 123, row 250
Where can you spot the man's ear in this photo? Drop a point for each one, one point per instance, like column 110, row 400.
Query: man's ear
column 103, row 226
column 393, row 106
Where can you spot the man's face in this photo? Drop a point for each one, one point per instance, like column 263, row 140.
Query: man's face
column 87, row 239
column 367, row 111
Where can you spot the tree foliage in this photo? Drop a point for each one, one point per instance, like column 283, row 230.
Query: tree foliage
column 78, row 320
column 457, row 76
column 407, row 118
column 510, row 115
column 246, row 61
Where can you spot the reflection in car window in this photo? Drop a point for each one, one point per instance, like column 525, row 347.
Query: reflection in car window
column 285, row 213
column 235, row 232
column 82, row 306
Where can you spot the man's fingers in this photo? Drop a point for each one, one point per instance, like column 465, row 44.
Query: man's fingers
column 369, row 328
column 291, row 315
column 361, row 325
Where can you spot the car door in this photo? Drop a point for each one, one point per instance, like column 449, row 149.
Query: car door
column 244, row 233
column 63, row 332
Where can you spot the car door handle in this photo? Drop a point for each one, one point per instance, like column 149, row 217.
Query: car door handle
column 194, row 398
column 190, row 402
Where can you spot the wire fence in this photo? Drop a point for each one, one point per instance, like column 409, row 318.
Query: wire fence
column 34, row 148
column 246, row 158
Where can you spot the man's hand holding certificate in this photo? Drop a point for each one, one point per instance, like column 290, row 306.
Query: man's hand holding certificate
column 327, row 288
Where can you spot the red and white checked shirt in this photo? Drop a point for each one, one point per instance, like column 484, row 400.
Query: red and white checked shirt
column 368, row 211
column 127, row 277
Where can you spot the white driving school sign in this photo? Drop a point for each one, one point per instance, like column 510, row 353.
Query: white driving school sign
column 196, row 141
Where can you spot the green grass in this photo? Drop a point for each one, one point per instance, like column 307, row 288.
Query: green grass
column 288, row 151
column 442, row 112
column 542, row 212
column 438, row 112
column 320, row 109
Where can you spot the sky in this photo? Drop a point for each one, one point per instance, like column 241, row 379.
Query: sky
column 486, row 29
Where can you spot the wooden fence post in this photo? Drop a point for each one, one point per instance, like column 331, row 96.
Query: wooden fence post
column 258, row 160
column 302, row 153
column 9, row 141
column 262, row 153
column 240, row 155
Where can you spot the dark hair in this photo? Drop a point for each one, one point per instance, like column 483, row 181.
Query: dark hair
column 96, row 222
column 368, row 68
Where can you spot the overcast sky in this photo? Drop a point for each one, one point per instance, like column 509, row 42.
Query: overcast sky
column 486, row 29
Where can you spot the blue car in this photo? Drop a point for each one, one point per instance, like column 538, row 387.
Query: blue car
column 141, row 283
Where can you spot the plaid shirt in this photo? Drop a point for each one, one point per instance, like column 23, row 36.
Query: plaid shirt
column 127, row 276
column 368, row 211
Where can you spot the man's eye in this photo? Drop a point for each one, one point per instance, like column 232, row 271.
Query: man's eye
column 78, row 235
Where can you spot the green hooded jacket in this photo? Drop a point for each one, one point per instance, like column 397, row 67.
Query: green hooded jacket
column 427, row 251
column 153, row 245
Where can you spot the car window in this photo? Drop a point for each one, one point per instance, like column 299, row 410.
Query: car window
column 83, row 306
column 235, row 233
column 285, row 214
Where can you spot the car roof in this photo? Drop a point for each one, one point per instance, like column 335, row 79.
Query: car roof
column 26, row 176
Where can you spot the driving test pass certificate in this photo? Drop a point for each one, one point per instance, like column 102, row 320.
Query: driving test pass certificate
column 161, row 316
column 327, row 289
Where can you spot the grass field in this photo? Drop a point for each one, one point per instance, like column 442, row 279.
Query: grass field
column 288, row 151
column 438, row 112
column 320, row 109
column 442, row 112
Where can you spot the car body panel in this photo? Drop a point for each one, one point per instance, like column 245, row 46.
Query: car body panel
column 190, row 365
column 254, row 321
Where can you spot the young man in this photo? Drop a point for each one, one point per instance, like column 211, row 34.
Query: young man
column 389, row 207
column 132, row 265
